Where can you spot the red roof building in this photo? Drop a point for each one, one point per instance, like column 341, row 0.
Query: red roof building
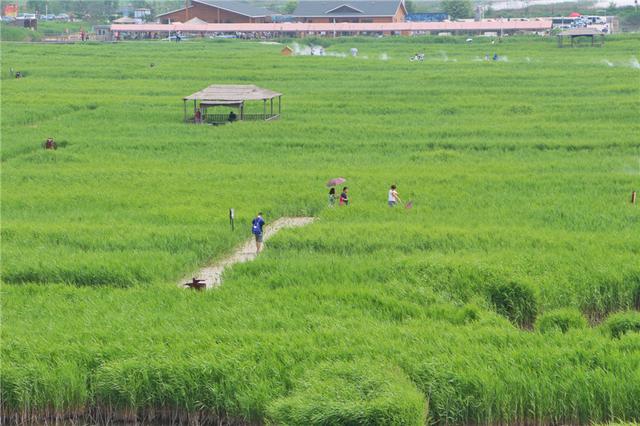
column 218, row 12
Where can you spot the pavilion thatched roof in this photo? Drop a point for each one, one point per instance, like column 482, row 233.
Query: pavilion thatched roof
column 581, row 32
column 232, row 93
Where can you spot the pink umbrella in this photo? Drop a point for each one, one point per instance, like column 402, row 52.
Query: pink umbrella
column 336, row 181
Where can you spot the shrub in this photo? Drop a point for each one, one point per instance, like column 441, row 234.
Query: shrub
column 623, row 322
column 561, row 319
column 359, row 393
column 11, row 33
column 470, row 313
column 520, row 109
column 514, row 300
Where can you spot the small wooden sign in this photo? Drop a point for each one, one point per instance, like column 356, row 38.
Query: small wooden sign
column 232, row 216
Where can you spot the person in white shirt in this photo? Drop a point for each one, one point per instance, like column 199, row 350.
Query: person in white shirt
column 393, row 198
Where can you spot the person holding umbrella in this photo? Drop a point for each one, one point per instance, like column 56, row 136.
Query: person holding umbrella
column 332, row 192
column 332, row 197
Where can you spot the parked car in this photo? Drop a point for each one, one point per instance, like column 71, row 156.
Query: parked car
column 62, row 17
column 597, row 20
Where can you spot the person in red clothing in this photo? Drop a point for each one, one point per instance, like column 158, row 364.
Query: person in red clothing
column 344, row 197
column 50, row 144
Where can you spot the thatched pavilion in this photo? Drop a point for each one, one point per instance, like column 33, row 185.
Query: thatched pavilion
column 581, row 32
column 231, row 96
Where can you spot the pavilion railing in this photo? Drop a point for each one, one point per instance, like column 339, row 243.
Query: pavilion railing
column 223, row 118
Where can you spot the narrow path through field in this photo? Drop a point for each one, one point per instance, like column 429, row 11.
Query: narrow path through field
column 212, row 275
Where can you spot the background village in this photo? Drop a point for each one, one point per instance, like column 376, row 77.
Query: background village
column 66, row 21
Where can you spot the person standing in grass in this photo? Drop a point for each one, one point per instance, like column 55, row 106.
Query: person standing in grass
column 332, row 197
column 50, row 144
column 256, row 228
column 344, row 197
column 393, row 198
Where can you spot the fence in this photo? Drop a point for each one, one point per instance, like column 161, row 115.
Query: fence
column 223, row 118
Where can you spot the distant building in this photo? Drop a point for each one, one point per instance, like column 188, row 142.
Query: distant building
column 103, row 32
column 125, row 10
column 356, row 11
column 126, row 20
column 141, row 13
column 218, row 12
column 427, row 17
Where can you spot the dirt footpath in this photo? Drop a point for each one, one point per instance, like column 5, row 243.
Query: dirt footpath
column 246, row 252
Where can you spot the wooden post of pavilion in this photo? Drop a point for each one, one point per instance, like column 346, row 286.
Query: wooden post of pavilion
column 185, row 110
column 271, row 100
column 264, row 105
column 576, row 33
column 279, row 105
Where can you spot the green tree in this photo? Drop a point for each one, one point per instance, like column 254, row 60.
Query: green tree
column 410, row 5
column 36, row 5
column 290, row 7
column 457, row 9
column 161, row 6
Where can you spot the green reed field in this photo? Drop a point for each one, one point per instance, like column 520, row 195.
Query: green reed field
column 508, row 294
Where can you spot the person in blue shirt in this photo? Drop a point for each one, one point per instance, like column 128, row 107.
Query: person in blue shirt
column 256, row 228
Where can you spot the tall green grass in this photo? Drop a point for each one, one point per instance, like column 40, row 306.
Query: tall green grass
column 15, row 33
column 482, row 304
